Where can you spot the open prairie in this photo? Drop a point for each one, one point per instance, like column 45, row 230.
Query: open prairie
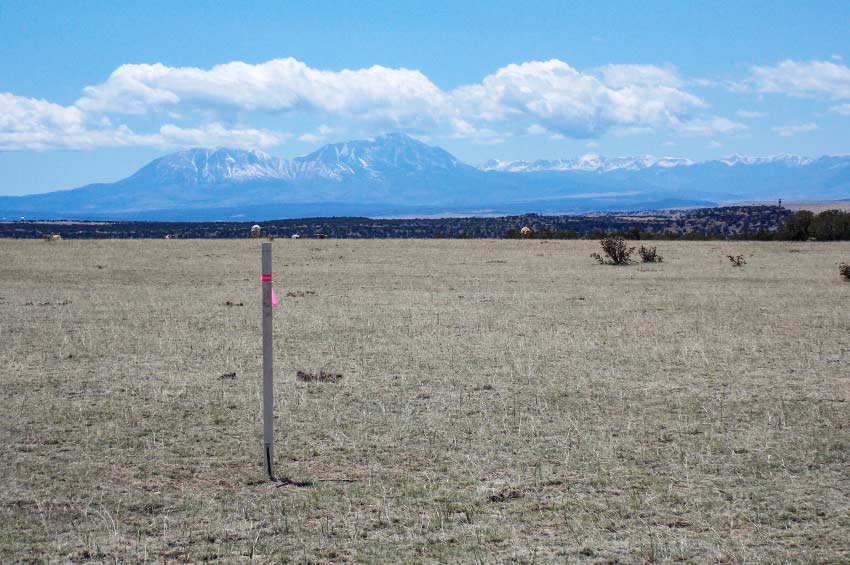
column 499, row 401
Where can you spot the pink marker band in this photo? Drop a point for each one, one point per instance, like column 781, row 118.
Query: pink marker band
column 267, row 278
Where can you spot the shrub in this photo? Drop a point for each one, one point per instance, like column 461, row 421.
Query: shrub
column 844, row 269
column 649, row 255
column 616, row 250
column 737, row 260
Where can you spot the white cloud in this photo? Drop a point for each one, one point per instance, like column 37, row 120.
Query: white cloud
column 213, row 135
column 843, row 109
column 318, row 136
column 566, row 101
column 562, row 99
column 803, row 78
column 28, row 123
column 794, row 129
column 399, row 96
column 538, row 97
column 710, row 126
column 465, row 130
column 749, row 114
column 621, row 76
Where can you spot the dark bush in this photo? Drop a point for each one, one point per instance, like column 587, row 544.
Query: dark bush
column 737, row 260
column 844, row 269
column 616, row 250
column 830, row 225
column 649, row 255
column 796, row 226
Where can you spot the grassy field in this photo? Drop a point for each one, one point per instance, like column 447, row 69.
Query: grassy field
column 501, row 401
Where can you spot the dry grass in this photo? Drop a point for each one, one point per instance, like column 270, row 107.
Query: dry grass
column 502, row 401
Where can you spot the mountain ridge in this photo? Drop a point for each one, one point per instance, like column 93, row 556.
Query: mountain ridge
column 397, row 174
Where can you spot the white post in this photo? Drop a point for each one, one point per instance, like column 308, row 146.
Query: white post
column 268, row 368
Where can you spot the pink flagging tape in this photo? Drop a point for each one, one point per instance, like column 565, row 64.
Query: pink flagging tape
column 267, row 278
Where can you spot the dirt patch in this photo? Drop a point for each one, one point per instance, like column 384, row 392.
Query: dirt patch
column 320, row 377
column 506, row 495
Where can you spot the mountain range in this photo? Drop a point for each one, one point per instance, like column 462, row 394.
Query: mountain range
column 396, row 175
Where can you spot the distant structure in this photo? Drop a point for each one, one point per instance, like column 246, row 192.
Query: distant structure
column 525, row 232
column 321, row 236
column 296, row 236
column 169, row 236
column 256, row 231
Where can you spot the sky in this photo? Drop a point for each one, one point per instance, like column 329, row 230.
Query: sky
column 90, row 92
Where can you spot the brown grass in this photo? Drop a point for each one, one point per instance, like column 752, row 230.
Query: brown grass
column 502, row 401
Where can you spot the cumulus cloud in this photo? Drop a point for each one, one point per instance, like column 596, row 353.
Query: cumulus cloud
column 538, row 98
column 579, row 105
column 561, row 98
column 794, row 129
column 31, row 123
column 400, row 96
column 28, row 123
column 803, row 78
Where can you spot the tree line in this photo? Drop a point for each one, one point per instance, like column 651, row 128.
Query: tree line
column 830, row 225
column 730, row 222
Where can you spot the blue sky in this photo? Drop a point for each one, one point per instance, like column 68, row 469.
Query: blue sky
column 91, row 92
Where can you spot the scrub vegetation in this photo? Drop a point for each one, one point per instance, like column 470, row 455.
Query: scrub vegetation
column 437, row 401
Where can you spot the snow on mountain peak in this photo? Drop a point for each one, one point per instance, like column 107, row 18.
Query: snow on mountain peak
column 592, row 162
column 386, row 156
column 786, row 158
column 588, row 162
column 212, row 166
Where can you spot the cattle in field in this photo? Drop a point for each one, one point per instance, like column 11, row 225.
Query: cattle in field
column 256, row 231
column 525, row 232
column 52, row 237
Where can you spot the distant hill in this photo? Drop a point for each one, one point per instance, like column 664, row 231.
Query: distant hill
column 396, row 175
column 736, row 222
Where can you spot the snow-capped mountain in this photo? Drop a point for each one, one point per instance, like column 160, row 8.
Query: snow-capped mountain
column 389, row 153
column 396, row 174
column 589, row 162
column 593, row 162
column 785, row 159
column 212, row 166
